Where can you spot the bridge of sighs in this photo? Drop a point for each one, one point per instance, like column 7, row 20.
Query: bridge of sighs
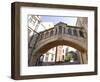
column 60, row 34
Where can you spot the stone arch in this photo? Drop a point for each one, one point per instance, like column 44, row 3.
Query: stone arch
column 59, row 36
column 52, row 44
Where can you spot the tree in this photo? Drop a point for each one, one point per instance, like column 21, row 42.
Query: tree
column 68, row 57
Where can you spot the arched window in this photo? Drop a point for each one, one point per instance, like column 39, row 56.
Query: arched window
column 69, row 31
column 55, row 31
column 51, row 33
column 60, row 29
column 46, row 34
column 64, row 30
column 42, row 36
column 81, row 34
column 75, row 32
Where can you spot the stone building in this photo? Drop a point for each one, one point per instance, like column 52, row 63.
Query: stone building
column 83, row 22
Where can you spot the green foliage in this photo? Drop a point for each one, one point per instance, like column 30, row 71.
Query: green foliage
column 68, row 57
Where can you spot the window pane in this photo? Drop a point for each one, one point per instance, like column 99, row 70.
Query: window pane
column 60, row 29
column 81, row 33
column 75, row 32
column 69, row 31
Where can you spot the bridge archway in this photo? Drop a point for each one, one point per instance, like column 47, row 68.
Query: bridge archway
column 61, row 34
column 43, row 49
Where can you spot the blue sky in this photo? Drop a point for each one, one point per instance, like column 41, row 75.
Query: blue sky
column 56, row 19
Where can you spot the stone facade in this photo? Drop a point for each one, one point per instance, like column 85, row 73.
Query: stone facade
column 83, row 22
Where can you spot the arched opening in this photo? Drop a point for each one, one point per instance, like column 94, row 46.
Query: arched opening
column 75, row 32
column 59, row 55
column 46, row 47
column 69, row 31
column 81, row 34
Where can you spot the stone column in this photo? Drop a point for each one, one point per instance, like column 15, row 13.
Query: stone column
column 84, row 57
column 34, row 59
column 80, row 58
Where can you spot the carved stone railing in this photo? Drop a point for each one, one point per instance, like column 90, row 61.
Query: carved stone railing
column 75, row 33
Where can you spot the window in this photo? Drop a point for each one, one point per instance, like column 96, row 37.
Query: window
column 55, row 31
column 64, row 30
column 81, row 34
column 60, row 29
column 51, row 33
column 46, row 58
column 75, row 32
column 66, row 51
column 52, row 55
column 69, row 31
column 47, row 34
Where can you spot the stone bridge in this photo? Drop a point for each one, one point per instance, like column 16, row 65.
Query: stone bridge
column 60, row 34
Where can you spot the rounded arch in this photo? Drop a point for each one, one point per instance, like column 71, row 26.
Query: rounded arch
column 43, row 49
column 55, row 43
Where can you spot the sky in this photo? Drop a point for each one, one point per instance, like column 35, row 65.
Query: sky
column 57, row 19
